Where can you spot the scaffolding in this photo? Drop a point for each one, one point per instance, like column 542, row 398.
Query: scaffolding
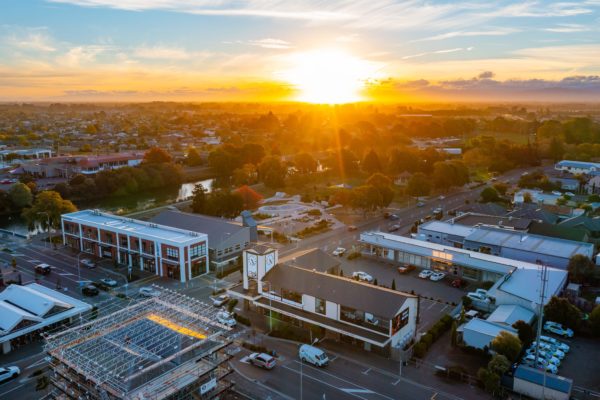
column 165, row 347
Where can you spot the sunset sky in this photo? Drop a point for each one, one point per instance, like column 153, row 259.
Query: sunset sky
column 104, row 50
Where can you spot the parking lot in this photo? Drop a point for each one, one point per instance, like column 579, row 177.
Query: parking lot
column 581, row 363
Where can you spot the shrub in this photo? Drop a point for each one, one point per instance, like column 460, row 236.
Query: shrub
column 427, row 339
column 353, row 255
column 467, row 302
column 419, row 350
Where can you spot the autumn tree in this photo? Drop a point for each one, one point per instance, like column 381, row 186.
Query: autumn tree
column 48, row 207
column 20, row 195
column 370, row 163
column 507, row 344
column 156, row 155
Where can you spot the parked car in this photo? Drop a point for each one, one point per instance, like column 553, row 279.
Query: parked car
column 313, row 355
column 558, row 329
column 551, row 358
column 420, row 204
column 352, row 228
column 540, row 364
column 339, row 251
column 425, row 274
column 570, row 194
column 437, row 276
column 220, row 300
column 88, row 263
column 393, row 228
column 559, row 345
column 148, row 291
column 362, row 276
column 43, row 269
column 393, row 217
column 556, row 193
column 223, row 317
column 262, row 360
column 90, row 290
column 109, row 282
column 406, row 268
column 548, row 348
column 7, row 373
column 478, row 297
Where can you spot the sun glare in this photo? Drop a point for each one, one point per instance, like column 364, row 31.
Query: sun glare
column 328, row 76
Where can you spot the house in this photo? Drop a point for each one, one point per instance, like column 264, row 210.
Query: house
column 577, row 167
column 27, row 311
column 481, row 208
column 566, row 183
column 306, row 296
column 508, row 314
column 533, row 212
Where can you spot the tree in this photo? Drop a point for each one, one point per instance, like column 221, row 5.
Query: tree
column 527, row 197
column 193, row 157
column 595, row 320
column 418, row 185
column 490, row 380
column 447, row 174
column 556, row 149
column 525, row 330
column 272, row 172
column 48, row 207
column 20, row 195
column 499, row 364
column 489, row 195
column 371, row 163
column 199, row 199
column 156, row 155
column 393, row 284
column 245, row 175
column 560, row 310
column 507, row 344
column 249, row 197
column 13, row 264
column 581, row 268
column 501, row 188
column 305, row 163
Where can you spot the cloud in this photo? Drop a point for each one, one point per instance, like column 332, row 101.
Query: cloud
column 486, row 75
column 267, row 43
column 450, row 35
column 161, row 53
column 79, row 55
column 567, row 28
column 536, row 9
column 444, row 51
column 33, row 40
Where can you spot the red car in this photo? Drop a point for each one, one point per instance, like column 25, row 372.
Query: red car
column 457, row 283
column 406, row 268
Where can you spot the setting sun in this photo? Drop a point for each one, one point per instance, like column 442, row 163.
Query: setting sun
column 329, row 76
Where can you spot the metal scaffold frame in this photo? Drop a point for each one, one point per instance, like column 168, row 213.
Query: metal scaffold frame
column 160, row 342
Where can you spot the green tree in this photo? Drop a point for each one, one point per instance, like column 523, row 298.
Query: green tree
column 371, row 163
column 20, row 195
column 581, row 268
column 499, row 364
column 490, row 380
column 595, row 320
column 193, row 157
column 562, row 311
column 48, row 207
column 272, row 172
column 418, row 185
column 525, row 330
column 156, row 155
column 489, row 195
column 556, row 149
column 507, row 344
column 199, row 199
column 527, row 197
column 500, row 187
column 305, row 163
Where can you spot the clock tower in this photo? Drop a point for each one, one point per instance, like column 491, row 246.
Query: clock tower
column 257, row 261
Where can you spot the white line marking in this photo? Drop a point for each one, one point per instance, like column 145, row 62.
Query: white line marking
column 366, row 372
column 333, row 358
column 351, row 391
column 397, row 382
column 11, row 390
column 432, row 304
column 321, row 381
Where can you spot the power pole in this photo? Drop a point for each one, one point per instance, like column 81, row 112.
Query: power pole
column 544, row 279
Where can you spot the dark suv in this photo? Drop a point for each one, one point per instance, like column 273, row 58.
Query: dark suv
column 90, row 290
column 43, row 269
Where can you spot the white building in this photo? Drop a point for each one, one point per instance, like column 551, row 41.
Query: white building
column 313, row 296
column 479, row 333
column 25, row 311
column 577, row 167
column 166, row 251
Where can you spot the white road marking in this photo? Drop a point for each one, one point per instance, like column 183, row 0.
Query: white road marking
column 432, row 304
column 351, row 391
column 38, row 362
column 11, row 390
column 65, row 274
column 397, row 382
column 366, row 372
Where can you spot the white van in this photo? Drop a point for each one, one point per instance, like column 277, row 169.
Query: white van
column 313, row 355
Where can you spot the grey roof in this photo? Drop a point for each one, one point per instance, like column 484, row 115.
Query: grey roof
column 473, row 219
column 215, row 228
column 312, row 259
column 345, row 291
column 527, row 242
column 559, row 231
column 511, row 313
column 534, row 212
column 582, row 221
column 482, row 208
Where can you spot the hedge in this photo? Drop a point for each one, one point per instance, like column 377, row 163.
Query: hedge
column 437, row 330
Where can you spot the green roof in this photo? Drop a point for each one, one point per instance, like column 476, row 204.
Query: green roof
column 558, row 231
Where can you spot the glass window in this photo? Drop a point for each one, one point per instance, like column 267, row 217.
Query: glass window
column 320, row 306
column 172, row 253
column 198, row 250
column 291, row 295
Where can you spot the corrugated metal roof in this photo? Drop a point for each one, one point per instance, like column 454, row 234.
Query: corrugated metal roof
column 488, row 328
column 509, row 314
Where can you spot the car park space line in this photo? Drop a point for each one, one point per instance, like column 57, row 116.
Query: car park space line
column 337, row 377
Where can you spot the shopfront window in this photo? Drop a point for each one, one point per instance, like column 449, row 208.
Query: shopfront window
column 470, row 273
column 320, row 307
column 198, row 267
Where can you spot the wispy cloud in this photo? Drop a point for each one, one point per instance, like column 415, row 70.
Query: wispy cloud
column 567, row 28
column 161, row 53
column 444, row 51
column 450, row 35
column 267, row 43
column 36, row 39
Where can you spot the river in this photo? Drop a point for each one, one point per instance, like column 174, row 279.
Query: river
column 119, row 205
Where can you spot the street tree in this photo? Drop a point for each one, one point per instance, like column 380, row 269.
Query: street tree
column 48, row 208
column 20, row 195
column 507, row 344
column 525, row 330
column 489, row 195
column 418, row 185
column 156, row 155
column 199, row 199
column 560, row 310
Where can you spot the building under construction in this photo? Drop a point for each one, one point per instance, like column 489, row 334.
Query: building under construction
column 165, row 347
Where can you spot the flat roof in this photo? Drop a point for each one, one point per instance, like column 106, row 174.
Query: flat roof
column 132, row 226
column 463, row 257
column 37, row 304
column 473, row 219
column 447, row 228
column 345, row 291
column 577, row 164
column 511, row 313
column 215, row 228
column 311, row 259
column 532, row 243
column 525, row 283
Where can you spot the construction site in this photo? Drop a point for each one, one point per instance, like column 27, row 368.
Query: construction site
column 165, row 347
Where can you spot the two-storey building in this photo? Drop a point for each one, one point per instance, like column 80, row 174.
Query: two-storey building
column 166, row 251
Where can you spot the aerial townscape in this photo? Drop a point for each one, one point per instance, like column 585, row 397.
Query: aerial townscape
column 300, row 200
